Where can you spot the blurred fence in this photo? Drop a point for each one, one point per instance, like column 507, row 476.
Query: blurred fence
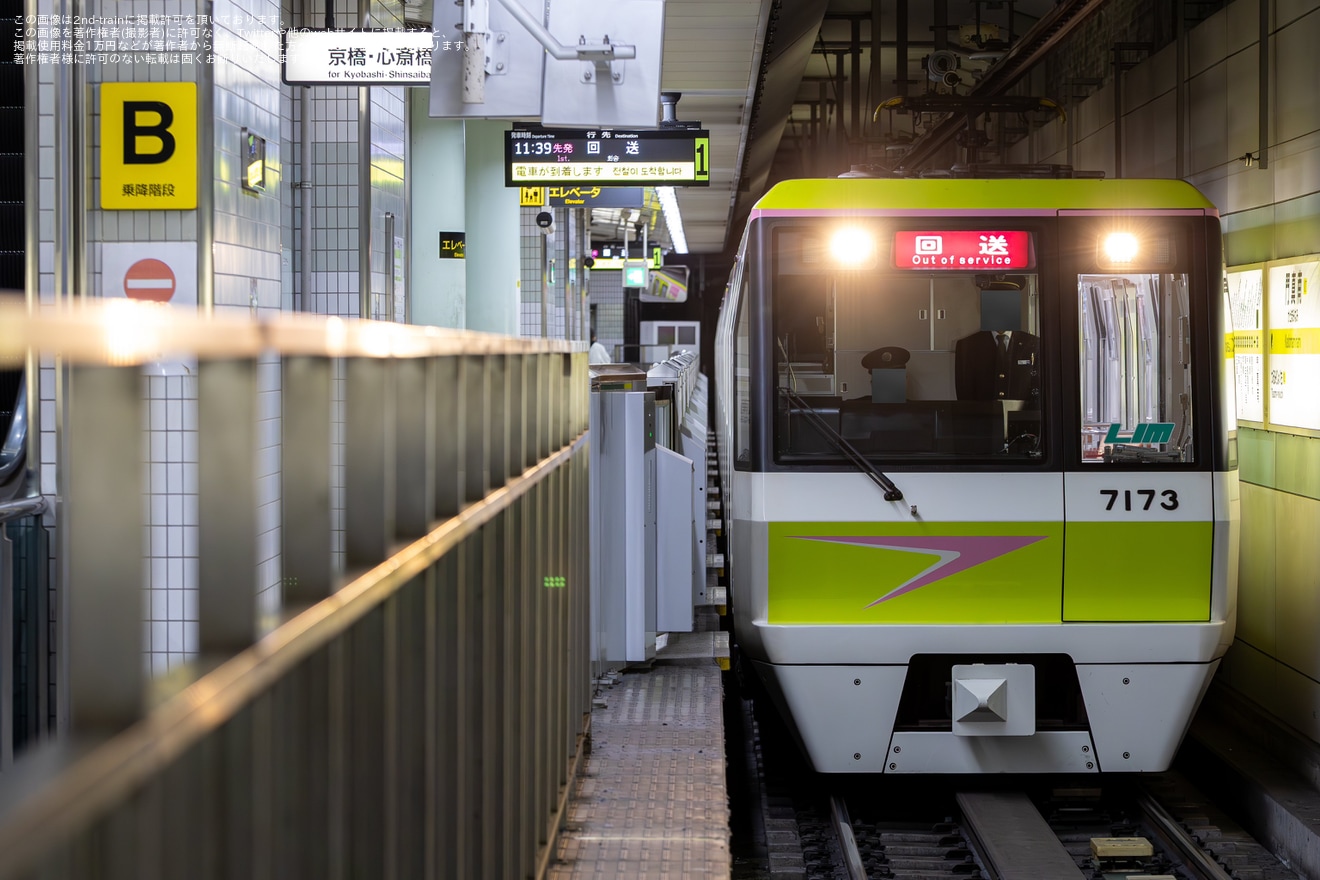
column 415, row 715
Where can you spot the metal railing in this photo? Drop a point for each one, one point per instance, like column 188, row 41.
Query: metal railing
column 418, row 716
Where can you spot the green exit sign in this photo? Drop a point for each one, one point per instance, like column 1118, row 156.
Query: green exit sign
column 635, row 273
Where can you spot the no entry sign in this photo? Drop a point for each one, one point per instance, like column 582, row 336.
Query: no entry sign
column 149, row 280
column 150, row 271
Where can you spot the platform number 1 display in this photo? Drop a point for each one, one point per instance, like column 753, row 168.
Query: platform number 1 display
column 701, row 166
column 148, row 146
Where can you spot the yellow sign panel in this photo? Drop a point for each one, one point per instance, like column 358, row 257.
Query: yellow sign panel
column 531, row 196
column 148, row 146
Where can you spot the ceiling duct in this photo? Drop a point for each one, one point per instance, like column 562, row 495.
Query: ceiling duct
column 1047, row 34
column 790, row 36
column 942, row 67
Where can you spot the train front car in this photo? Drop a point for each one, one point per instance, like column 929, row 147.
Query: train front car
column 981, row 498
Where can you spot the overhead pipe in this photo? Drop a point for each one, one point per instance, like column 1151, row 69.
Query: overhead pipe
column 1180, row 89
column 1121, row 67
column 823, row 47
column 1048, row 32
column 32, row 259
column 855, row 51
column 841, row 133
column 1263, row 72
column 901, row 46
column 364, row 183
column 206, row 175
column 876, row 88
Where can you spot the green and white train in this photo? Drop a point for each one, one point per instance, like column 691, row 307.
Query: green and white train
column 981, row 498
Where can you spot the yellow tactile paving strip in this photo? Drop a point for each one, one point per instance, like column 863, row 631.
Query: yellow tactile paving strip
column 651, row 801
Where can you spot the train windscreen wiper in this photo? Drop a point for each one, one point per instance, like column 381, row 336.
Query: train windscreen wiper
column 892, row 492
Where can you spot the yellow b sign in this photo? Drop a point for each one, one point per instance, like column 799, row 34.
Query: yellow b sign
column 148, row 146
column 531, row 196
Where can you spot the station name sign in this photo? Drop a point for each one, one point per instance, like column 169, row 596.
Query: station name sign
column 962, row 249
column 357, row 57
column 568, row 157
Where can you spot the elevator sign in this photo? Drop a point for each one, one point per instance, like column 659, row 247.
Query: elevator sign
column 148, row 146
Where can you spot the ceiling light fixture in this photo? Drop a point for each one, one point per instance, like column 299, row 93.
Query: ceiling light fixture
column 673, row 219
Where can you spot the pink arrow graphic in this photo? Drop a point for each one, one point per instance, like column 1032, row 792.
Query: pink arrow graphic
column 956, row 553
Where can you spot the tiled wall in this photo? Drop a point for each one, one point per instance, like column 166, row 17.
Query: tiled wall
column 248, row 240
column 169, row 390
column 535, row 320
column 566, row 248
column 606, row 294
column 171, row 633
column 256, row 269
column 389, row 112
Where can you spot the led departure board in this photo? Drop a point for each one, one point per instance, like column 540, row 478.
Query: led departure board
column 962, row 249
column 670, row 157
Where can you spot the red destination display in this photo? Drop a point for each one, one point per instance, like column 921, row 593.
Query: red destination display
column 962, row 249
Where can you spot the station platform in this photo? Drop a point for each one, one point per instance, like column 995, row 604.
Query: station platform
column 1248, row 758
column 651, row 799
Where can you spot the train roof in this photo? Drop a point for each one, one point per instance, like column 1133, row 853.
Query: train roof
column 883, row 195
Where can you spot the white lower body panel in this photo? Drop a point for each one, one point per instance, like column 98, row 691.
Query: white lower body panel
column 1046, row 751
column 843, row 717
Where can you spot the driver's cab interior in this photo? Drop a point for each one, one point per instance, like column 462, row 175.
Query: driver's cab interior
column 904, row 364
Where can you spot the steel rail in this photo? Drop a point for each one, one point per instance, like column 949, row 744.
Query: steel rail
column 51, row 812
column 852, row 858
column 1175, row 838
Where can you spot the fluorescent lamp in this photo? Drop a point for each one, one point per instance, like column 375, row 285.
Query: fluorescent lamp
column 673, row 219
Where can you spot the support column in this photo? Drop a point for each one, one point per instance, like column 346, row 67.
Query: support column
column 439, row 286
column 493, row 233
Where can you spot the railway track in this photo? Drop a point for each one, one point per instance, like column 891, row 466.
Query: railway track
column 1004, row 828
column 1065, row 835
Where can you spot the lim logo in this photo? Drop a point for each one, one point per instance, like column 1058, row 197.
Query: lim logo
column 1147, row 432
column 551, row 582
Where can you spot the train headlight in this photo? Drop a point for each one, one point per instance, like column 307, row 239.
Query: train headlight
column 852, row 248
column 1120, row 247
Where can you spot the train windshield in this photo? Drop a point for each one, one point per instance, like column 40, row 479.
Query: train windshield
column 1134, row 358
column 907, row 362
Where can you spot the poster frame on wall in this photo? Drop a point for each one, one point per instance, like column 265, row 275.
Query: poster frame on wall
column 1271, row 359
column 1238, row 339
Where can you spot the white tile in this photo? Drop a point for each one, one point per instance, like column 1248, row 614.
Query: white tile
column 160, row 606
column 160, row 541
column 174, row 414
column 159, row 483
column 159, row 636
column 159, row 509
